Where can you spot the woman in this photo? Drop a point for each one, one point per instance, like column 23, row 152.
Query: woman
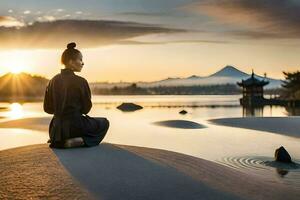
column 68, row 97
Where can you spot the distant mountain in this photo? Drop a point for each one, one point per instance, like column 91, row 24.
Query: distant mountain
column 194, row 77
column 229, row 71
column 226, row 75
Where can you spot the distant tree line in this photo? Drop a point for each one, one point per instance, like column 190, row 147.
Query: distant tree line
column 22, row 87
column 133, row 89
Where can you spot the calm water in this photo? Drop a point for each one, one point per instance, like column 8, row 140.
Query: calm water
column 241, row 149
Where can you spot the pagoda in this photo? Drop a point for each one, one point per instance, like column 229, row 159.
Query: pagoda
column 253, row 91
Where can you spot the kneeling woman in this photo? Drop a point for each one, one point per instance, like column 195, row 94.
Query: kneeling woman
column 68, row 97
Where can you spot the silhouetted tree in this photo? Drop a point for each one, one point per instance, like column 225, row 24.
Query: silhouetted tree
column 291, row 85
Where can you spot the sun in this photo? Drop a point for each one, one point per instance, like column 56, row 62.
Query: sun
column 16, row 62
column 16, row 70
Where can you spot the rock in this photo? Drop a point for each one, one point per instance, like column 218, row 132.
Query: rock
column 129, row 107
column 281, row 155
column 183, row 112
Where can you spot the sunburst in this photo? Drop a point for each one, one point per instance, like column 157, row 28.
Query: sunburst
column 16, row 61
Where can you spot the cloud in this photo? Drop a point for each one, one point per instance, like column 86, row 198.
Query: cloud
column 254, row 18
column 27, row 12
column 46, row 18
column 87, row 33
column 146, row 14
column 7, row 21
column 133, row 42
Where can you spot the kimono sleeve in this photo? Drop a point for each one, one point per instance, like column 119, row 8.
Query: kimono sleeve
column 86, row 102
column 48, row 101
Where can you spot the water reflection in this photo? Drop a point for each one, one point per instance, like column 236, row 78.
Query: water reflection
column 253, row 111
column 263, row 111
column 292, row 111
column 281, row 172
column 15, row 111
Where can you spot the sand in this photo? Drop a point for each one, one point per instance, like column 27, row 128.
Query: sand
column 34, row 172
column 125, row 172
column 289, row 126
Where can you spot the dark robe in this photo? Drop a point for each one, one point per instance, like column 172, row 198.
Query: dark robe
column 68, row 98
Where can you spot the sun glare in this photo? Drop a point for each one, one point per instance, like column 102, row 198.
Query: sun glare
column 16, row 111
column 17, row 62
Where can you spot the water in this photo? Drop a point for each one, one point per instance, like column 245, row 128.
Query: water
column 242, row 149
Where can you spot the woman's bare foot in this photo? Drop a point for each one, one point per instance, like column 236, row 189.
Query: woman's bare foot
column 74, row 142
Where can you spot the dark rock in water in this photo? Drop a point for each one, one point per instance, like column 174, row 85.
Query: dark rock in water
column 183, row 112
column 281, row 155
column 129, row 107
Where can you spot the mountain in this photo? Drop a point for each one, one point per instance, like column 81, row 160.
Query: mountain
column 227, row 75
column 229, row 71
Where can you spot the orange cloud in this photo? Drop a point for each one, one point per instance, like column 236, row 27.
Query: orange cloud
column 7, row 21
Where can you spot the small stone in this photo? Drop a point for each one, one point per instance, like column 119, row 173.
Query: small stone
column 281, row 155
column 129, row 107
column 183, row 112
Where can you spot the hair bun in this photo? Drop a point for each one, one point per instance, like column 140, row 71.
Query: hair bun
column 71, row 45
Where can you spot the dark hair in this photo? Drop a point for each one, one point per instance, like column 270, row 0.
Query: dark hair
column 70, row 53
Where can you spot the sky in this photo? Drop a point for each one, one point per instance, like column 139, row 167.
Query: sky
column 142, row 40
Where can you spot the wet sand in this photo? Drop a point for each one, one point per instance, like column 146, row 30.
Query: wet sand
column 126, row 172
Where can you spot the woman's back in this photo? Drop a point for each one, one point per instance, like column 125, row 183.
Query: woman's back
column 67, row 94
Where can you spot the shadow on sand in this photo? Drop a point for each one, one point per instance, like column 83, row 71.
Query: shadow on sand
column 109, row 172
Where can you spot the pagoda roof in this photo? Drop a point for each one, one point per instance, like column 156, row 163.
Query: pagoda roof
column 252, row 81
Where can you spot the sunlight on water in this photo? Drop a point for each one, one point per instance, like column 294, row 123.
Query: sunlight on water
column 16, row 111
column 11, row 138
